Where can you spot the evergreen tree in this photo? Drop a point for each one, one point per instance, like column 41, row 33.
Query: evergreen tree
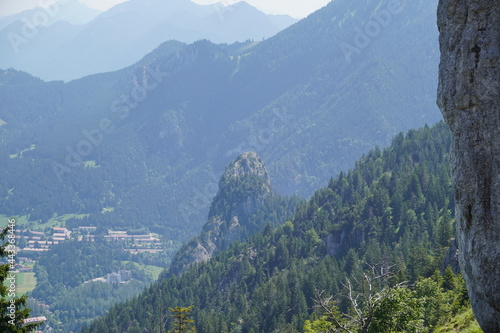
column 268, row 283
column 182, row 321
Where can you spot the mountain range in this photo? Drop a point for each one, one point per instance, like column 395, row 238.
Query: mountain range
column 71, row 47
column 151, row 140
column 174, row 142
column 70, row 11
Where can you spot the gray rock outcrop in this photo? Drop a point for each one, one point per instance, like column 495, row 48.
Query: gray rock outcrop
column 469, row 97
column 451, row 258
column 243, row 188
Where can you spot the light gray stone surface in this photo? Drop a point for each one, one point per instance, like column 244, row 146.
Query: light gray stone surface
column 468, row 95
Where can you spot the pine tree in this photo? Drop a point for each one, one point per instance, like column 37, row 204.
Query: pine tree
column 182, row 321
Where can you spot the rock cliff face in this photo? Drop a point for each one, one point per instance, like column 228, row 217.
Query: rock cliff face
column 451, row 258
column 243, row 188
column 469, row 98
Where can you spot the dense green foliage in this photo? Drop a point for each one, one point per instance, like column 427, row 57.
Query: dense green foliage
column 421, row 307
column 393, row 208
column 77, row 307
column 61, row 275
column 71, row 263
column 272, row 210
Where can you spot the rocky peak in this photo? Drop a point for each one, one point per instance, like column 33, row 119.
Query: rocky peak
column 247, row 164
column 244, row 184
column 469, row 98
column 243, row 189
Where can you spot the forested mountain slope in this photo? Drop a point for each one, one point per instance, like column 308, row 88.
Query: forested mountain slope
column 394, row 208
column 149, row 142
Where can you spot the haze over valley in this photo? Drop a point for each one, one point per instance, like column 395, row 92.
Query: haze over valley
column 161, row 154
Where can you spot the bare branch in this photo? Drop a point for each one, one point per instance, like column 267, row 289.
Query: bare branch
column 328, row 306
column 364, row 296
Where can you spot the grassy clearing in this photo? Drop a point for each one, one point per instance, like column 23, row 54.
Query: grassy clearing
column 56, row 221
column 20, row 220
column 25, row 282
column 59, row 221
column 154, row 271
column 463, row 322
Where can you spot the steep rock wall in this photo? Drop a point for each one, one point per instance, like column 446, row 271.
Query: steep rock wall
column 468, row 95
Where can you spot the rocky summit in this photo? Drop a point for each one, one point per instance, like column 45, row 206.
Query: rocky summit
column 243, row 188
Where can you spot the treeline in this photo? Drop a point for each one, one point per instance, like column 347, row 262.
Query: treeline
column 394, row 208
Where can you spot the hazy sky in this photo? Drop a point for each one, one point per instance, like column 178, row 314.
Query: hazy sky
column 295, row 8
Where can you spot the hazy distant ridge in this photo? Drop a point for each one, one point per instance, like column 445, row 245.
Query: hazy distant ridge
column 123, row 35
